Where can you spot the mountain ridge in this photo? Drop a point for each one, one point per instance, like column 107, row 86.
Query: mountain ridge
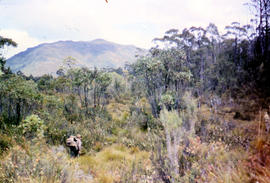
column 46, row 58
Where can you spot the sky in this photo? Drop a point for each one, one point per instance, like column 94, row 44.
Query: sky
column 132, row 22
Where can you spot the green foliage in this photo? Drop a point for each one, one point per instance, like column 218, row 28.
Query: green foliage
column 186, row 118
column 91, row 87
column 17, row 87
column 117, row 87
column 62, row 84
column 161, row 73
column 167, row 100
column 18, row 97
column 5, row 143
column 144, row 120
column 178, row 127
column 170, row 119
column 45, row 84
column 189, row 111
column 32, row 127
column 71, row 111
column 39, row 164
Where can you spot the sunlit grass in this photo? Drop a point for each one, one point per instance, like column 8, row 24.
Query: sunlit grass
column 119, row 112
column 107, row 164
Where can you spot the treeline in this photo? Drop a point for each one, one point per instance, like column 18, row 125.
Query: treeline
column 260, row 46
column 80, row 93
column 206, row 62
column 198, row 60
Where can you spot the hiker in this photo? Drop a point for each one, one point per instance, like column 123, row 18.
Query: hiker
column 74, row 144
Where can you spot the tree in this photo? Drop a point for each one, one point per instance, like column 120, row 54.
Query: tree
column 18, row 97
column 82, row 79
column 89, row 85
column 45, row 83
column 237, row 33
column 163, row 72
column 261, row 44
column 5, row 42
column 101, row 83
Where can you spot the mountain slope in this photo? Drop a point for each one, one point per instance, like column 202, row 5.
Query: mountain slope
column 47, row 58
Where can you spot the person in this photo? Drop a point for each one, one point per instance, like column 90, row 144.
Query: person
column 75, row 144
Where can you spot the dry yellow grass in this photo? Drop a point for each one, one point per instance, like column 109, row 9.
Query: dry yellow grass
column 118, row 111
column 106, row 165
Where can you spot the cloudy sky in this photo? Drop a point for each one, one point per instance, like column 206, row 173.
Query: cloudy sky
column 137, row 22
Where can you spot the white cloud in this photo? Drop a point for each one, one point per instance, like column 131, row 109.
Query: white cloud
column 22, row 38
column 123, row 21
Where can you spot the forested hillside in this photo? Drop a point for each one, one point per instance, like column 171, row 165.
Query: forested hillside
column 193, row 109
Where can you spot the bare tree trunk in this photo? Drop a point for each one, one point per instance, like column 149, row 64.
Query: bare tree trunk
column 95, row 97
column 86, row 98
column 9, row 108
column 18, row 111
column 1, row 105
column 80, row 96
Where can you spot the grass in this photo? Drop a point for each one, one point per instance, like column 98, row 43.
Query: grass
column 118, row 111
column 247, row 160
column 37, row 163
column 117, row 153
column 108, row 164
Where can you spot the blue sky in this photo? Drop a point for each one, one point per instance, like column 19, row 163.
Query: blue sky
column 137, row 22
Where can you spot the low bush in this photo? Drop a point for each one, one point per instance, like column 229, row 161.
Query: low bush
column 6, row 142
column 37, row 163
column 32, row 127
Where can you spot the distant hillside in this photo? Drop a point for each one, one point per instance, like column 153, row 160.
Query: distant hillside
column 47, row 58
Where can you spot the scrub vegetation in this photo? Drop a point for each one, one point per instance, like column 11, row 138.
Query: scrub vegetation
column 193, row 109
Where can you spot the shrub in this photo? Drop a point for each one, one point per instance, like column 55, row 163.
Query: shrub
column 38, row 163
column 178, row 125
column 5, row 143
column 32, row 127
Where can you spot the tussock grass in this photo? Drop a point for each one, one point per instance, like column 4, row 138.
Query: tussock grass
column 119, row 111
column 108, row 164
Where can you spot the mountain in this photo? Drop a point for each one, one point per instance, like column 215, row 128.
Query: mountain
column 47, row 58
